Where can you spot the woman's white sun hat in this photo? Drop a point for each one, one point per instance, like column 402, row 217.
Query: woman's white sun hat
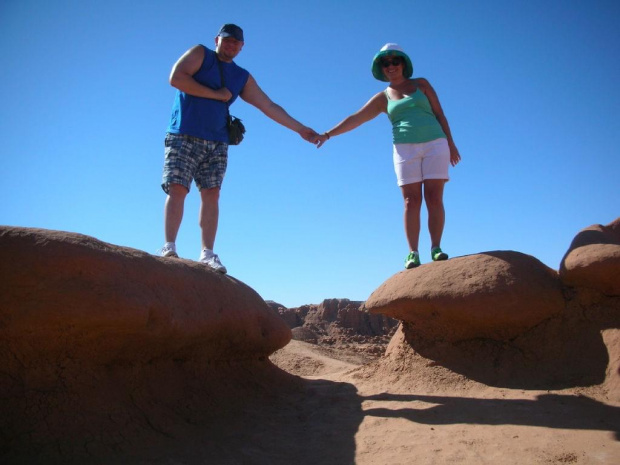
column 389, row 50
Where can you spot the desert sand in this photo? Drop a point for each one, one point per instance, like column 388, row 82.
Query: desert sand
column 429, row 415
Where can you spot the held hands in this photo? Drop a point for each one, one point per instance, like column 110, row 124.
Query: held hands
column 321, row 139
column 312, row 136
column 309, row 134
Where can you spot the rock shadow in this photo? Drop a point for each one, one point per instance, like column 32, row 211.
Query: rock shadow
column 547, row 410
column 183, row 413
column 562, row 352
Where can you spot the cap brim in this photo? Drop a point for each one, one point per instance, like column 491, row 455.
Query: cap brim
column 228, row 34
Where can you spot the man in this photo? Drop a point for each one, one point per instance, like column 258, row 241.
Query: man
column 197, row 138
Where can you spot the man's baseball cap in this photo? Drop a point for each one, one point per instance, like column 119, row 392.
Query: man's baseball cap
column 231, row 30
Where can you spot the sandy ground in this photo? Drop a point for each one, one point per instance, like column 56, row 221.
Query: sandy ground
column 369, row 415
column 310, row 405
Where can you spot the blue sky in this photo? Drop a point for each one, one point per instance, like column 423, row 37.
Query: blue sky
column 530, row 89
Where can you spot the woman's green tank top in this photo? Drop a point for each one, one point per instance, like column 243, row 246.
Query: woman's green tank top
column 413, row 120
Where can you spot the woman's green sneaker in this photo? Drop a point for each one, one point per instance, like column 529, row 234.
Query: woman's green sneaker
column 438, row 255
column 412, row 260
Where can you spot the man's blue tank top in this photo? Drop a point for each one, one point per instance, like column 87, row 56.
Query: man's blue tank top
column 202, row 117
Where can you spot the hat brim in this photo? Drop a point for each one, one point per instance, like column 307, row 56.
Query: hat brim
column 234, row 36
column 377, row 69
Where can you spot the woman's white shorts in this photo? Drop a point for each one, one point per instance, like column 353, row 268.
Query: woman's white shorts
column 418, row 162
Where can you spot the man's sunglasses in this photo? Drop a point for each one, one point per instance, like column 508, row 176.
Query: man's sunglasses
column 396, row 61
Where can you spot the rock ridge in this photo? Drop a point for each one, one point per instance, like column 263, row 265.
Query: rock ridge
column 339, row 323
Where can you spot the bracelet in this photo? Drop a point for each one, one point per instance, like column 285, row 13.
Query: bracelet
column 326, row 134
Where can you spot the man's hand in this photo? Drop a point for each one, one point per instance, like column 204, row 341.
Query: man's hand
column 223, row 94
column 182, row 76
column 309, row 134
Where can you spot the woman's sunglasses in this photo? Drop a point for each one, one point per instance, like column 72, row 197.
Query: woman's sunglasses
column 396, row 61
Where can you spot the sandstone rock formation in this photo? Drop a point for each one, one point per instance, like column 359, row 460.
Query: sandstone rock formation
column 505, row 319
column 495, row 295
column 105, row 347
column 593, row 259
column 62, row 289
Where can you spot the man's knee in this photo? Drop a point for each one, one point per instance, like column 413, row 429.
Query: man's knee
column 210, row 195
column 177, row 190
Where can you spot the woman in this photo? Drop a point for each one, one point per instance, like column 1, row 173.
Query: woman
column 423, row 145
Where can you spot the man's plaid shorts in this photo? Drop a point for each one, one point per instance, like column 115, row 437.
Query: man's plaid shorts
column 188, row 158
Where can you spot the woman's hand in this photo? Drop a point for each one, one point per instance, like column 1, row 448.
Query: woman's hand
column 321, row 139
column 455, row 156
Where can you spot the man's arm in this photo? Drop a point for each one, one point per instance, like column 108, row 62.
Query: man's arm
column 182, row 78
column 255, row 96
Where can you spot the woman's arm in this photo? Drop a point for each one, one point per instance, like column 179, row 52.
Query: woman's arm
column 376, row 105
column 431, row 95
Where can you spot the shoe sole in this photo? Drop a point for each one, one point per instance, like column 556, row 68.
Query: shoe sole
column 171, row 255
column 440, row 258
column 411, row 265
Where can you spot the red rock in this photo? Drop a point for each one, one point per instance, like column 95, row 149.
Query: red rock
column 124, row 352
column 593, row 259
column 75, row 296
column 496, row 295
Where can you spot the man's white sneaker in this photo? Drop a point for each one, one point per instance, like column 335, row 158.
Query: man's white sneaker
column 213, row 261
column 168, row 251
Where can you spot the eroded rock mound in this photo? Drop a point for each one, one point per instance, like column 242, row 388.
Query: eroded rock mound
column 593, row 259
column 494, row 295
column 106, row 349
column 505, row 319
column 62, row 289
